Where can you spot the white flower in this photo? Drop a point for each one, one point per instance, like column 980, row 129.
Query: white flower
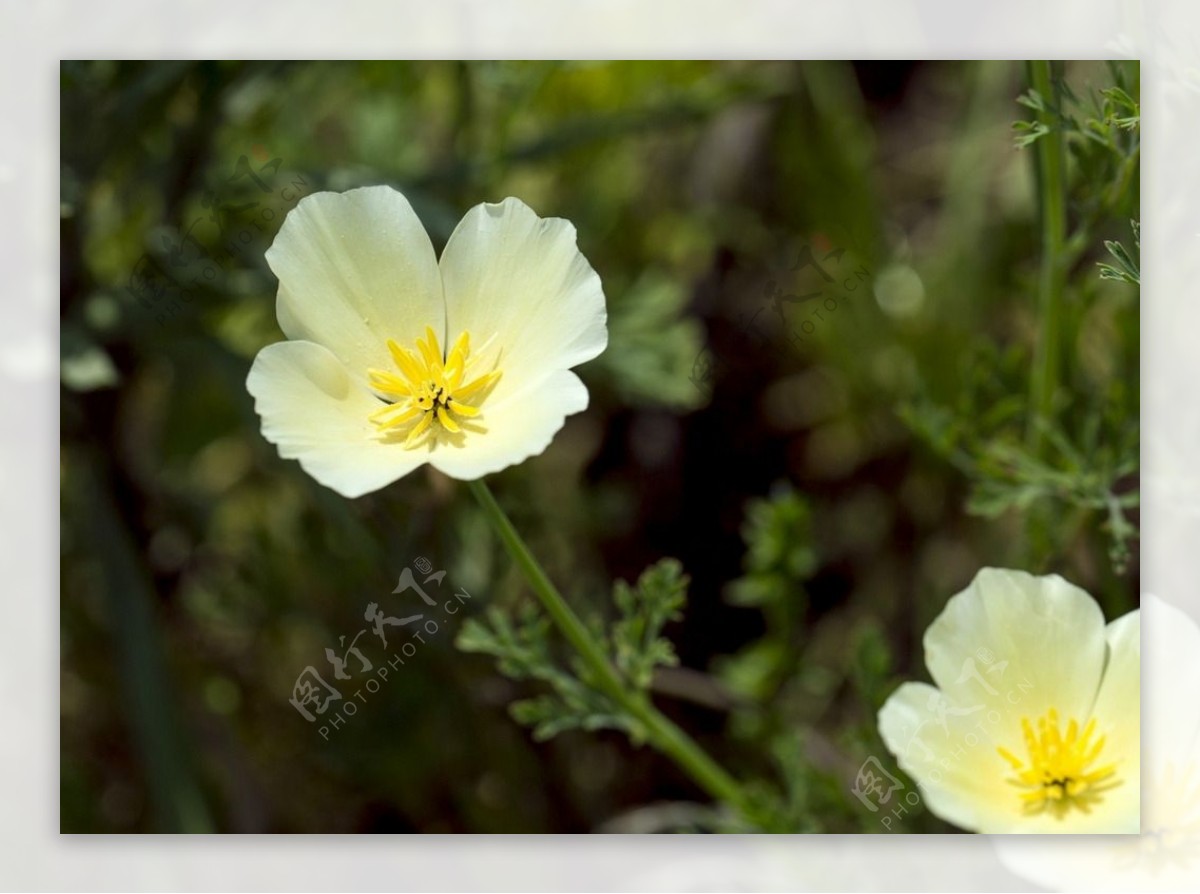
column 1166, row 856
column 395, row 358
column 1034, row 725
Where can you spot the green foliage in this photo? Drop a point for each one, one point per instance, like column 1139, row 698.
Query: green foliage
column 1084, row 456
column 637, row 644
column 871, row 670
column 1126, row 269
column 983, row 435
column 523, row 650
column 779, row 553
column 653, row 344
column 779, row 558
column 1029, row 132
column 1120, row 110
column 1102, row 137
column 1105, row 121
column 812, row 796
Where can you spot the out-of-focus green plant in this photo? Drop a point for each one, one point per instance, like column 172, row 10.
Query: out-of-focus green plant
column 652, row 344
column 982, row 435
column 523, row 650
column 779, row 559
column 1072, row 447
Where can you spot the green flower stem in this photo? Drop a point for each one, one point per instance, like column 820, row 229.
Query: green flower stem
column 662, row 733
column 1051, row 162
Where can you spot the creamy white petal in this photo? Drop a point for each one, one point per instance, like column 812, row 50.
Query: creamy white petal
column 1172, row 663
column 519, row 284
column 951, row 753
column 1163, row 857
column 1118, row 711
column 516, row 429
column 1019, row 644
column 313, row 410
column 355, row 269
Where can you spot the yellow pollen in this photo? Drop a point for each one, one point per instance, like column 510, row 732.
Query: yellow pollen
column 1060, row 772
column 430, row 394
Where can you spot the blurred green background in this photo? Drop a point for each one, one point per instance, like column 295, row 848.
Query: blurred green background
column 822, row 292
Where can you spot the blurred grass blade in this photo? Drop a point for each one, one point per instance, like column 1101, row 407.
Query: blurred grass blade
column 177, row 802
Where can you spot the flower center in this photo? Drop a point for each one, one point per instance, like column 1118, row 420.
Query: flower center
column 430, row 394
column 1060, row 774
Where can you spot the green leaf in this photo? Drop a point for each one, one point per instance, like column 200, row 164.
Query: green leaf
column 1031, row 99
column 645, row 609
column 550, row 715
column 1121, row 109
column 523, row 651
column 1029, row 132
column 1126, row 268
column 779, row 554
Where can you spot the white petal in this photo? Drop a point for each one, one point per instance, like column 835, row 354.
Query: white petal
column 952, row 754
column 1050, row 633
column 1172, row 663
column 316, row 412
column 516, row 430
column 1162, row 858
column 1118, row 717
column 1118, row 713
column 519, row 279
column 952, row 757
column 355, row 269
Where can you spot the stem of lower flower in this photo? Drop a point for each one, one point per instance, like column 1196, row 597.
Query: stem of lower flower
column 1051, row 165
column 661, row 732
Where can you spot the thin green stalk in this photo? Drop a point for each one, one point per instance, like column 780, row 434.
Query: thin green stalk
column 1052, row 282
column 661, row 732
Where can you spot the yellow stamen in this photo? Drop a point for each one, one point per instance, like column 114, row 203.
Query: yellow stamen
column 480, row 383
column 419, row 429
column 462, row 409
column 430, row 349
column 447, row 423
column 428, row 391
column 395, row 414
column 1058, row 775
